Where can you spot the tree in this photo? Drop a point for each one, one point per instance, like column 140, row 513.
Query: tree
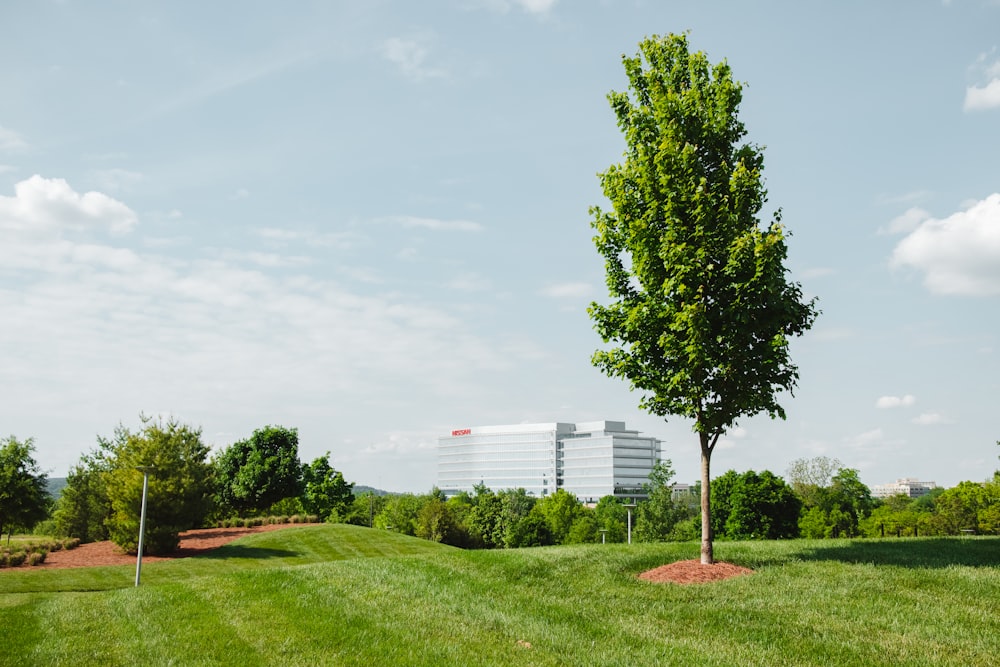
column 658, row 517
column 83, row 505
column 179, row 496
column 24, row 498
column 436, row 522
column 560, row 510
column 702, row 312
column 807, row 476
column 255, row 473
column 324, row 490
column 761, row 506
column 485, row 522
column 400, row 513
column 612, row 517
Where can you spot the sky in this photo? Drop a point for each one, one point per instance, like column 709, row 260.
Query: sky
column 369, row 221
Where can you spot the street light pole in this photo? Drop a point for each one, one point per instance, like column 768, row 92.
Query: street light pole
column 629, row 508
column 145, row 470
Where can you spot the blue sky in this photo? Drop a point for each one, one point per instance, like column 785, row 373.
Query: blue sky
column 368, row 220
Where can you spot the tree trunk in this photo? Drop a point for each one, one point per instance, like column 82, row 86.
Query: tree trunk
column 707, row 556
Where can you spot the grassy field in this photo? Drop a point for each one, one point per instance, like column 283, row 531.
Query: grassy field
column 342, row 595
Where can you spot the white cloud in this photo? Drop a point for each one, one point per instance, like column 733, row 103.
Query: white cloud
column 537, row 7
column 906, row 222
column 887, row 402
column 112, row 327
column 46, row 205
column 567, row 290
column 986, row 94
column 958, row 255
column 930, row 419
column 11, row 141
column 410, row 55
column 980, row 98
column 434, row 224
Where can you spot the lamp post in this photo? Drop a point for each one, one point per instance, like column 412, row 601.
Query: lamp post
column 630, row 507
column 145, row 470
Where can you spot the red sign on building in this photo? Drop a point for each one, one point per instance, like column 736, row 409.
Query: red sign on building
column 462, row 431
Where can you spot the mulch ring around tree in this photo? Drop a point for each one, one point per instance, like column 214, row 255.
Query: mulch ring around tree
column 193, row 543
column 693, row 572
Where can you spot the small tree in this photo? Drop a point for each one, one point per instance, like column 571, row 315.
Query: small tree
column 324, row 490
column 83, row 505
column 24, row 498
column 702, row 311
column 179, row 496
column 255, row 473
column 659, row 516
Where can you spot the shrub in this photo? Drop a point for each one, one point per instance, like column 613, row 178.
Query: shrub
column 16, row 558
column 37, row 557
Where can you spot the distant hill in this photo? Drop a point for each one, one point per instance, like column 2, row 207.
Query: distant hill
column 361, row 489
column 55, row 485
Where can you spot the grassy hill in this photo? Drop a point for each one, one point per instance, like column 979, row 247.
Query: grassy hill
column 344, row 595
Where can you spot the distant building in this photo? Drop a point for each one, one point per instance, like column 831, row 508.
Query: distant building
column 907, row 486
column 589, row 460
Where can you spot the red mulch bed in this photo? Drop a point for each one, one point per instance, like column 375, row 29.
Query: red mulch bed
column 693, row 572
column 193, row 542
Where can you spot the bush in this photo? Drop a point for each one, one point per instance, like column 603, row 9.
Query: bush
column 37, row 557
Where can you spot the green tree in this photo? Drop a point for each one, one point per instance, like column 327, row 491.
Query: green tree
column 24, row 498
column 959, row 508
column 702, row 312
column 560, row 510
column 760, row 506
column 529, row 531
column 324, row 490
column 255, row 473
column 400, row 512
column 612, row 517
column 365, row 507
column 485, row 520
column 83, row 505
column 808, row 476
column 517, row 527
column 180, row 487
column 659, row 516
column 436, row 522
column 584, row 529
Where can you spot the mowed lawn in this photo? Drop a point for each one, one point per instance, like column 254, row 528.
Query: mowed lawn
column 343, row 595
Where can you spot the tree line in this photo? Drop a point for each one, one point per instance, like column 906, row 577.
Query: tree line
column 186, row 487
column 263, row 476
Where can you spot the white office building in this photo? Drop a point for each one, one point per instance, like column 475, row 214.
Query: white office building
column 589, row 460
column 908, row 486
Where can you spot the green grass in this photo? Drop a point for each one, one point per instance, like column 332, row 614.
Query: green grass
column 342, row 595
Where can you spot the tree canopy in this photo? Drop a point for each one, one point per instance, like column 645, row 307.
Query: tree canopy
column 180, row 484
column 702, row 311
column 255, row 473
column 24, row 498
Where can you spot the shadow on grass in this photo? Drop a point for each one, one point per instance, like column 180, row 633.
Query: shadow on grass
column 912, row 552
column 241, row 551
